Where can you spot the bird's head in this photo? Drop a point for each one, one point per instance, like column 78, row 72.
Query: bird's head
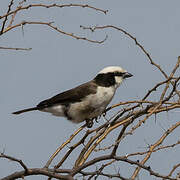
column 111, row 76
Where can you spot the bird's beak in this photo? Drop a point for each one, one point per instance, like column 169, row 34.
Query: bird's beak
column 127, row 75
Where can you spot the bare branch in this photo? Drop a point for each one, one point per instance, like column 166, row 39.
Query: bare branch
column 118, row 139
column 11, row 48
column 2, row 155
column 20, row 8
column 63, row 145
column 4, row 22
column 39, row 171
column 49, row 24
column 152, row 147
column 173, row 169
column 132, row 37
column 119, row 158
column 155, row 150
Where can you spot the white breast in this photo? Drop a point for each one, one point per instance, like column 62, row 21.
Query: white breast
column 92, row 106
column 103, row 96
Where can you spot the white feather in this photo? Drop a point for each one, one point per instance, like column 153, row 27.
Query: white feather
column 56, row 110
column 92, row 106
column 112, row 69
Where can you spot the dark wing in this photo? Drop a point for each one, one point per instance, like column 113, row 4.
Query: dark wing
column 71, row 96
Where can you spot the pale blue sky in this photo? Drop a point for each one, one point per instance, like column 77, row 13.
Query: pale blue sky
column 57, row 63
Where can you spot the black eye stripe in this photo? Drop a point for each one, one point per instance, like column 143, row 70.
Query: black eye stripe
column 119, row 73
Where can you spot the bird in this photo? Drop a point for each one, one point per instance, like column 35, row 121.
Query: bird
column 87, row 101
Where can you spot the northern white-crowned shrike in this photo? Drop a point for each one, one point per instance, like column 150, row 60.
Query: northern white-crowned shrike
column 87, row 101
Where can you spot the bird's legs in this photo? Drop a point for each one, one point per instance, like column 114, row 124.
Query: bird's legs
column 89, row 123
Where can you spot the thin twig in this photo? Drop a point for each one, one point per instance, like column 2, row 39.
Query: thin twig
column 20, row 8
column 11, row 48
column 152, row 147
column 132, row 37
column 155, row 150
column 2, row 155
column 62, row 146
column 49, row 24
column 4, row 22
column 173, row 169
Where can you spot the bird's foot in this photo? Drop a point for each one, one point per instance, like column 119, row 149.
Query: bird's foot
column 96, row 119
column 99, row 117
column 89, row 123
column 104, row 113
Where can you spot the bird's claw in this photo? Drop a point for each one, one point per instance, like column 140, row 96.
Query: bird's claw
column 104, row 113
column 89, row 123
column 96, row 119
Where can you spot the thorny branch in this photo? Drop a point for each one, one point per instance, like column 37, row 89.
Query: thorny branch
column 72, row 172
column 2, row 155
column 130, row 36
column 49, row 24
column 152, row 147
column 19, row 7
column 5, row 20
column 173, row 169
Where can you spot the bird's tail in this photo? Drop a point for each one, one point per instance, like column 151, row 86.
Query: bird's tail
column 25, row 110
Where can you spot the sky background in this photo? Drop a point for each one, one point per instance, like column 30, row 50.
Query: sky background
column 57, row 63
